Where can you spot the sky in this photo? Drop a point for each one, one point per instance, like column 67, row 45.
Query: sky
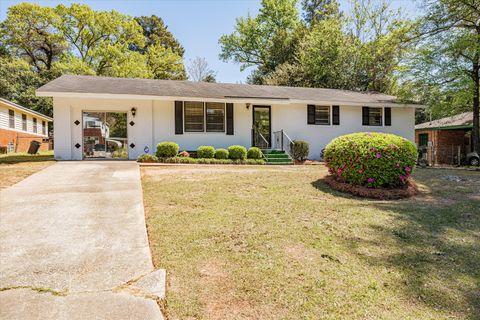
column 197, row 24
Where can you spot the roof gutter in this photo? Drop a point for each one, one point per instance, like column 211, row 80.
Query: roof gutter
column 232, row 99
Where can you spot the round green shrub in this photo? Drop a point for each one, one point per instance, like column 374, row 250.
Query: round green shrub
column 221, row 153
column 301, row 149
column 205, row 152
column 237, row 152
column 254, row 153
column 147, row 158
column 167, row 149
column 371, row 159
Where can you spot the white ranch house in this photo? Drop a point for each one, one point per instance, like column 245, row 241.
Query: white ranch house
column 102, row 117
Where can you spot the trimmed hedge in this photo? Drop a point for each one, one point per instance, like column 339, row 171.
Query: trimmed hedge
column 147, row 158
column 206, row 152
column 237, row 152
column 221, row 153
column 301, row 149
column 167, row 149
column 371, row 159
column 189, row 160
column 254, row 153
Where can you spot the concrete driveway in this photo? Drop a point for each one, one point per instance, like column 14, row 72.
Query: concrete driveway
column 72, row 237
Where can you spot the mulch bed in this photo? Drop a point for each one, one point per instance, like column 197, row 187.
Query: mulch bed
column 409, row 190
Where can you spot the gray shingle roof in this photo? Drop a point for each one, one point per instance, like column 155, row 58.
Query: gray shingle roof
column 460, row 120
column 171, row 88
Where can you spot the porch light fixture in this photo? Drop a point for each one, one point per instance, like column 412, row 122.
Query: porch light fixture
column 248, row 106
column 134, row 111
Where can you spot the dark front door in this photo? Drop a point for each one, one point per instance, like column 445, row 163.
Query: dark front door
column 262, row 127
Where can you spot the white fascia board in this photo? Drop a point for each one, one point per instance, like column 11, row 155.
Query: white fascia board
column 231, row 100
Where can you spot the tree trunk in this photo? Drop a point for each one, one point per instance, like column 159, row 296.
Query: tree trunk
column 476, row 103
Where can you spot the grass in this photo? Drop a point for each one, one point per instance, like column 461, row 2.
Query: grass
column 25, row 157
column 276, row 243
column 14, row 167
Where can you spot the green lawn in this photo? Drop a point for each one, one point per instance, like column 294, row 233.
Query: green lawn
column 25, row 157
column 276, row 243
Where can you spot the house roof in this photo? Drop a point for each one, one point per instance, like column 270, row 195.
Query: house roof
column 462, row 120
column 13, row 105
column 94, row 86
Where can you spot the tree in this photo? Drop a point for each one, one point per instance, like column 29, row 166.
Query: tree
column 164, row 63
column 156, row 33
column 449, row 37
column 31, row 31
column 199, row 70
column 265, row 41
column 317, row 10
column 38, row 44
column 18, row 83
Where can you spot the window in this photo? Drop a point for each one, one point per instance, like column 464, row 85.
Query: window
column 24, row 122
column 34, row 125
column 371, row 116
column 322, row 115
column 204, row 117
column 11, row 119
column 44, row 128
column 423, row 139
column 215, row 116
column 194, row 116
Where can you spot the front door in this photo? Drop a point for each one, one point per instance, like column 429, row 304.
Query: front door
column 105, row 135
column 262, row 127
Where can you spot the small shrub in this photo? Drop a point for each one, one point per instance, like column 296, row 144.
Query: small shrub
column 221, row 153
column 184, row 154
column 237, row 152
column 147, row 158
column 254, row 153
column 167, row 149
column 371, row 159
column 300, row 150
column 3, row 149
column 206, row 152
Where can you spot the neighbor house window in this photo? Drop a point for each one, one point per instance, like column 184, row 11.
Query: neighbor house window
column 372, row 116
column 322, row 115
column 44, row 128
column 215, row 117
column 11, row 119
column 24, row 122
column 34, row 125
column 194, row 116
column 423, row 139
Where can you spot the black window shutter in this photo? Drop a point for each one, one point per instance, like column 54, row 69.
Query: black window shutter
column 388, row 116
column 230, row 119
column 336, row 115
column 178, row 117
column 310, row 114
column 365, row 116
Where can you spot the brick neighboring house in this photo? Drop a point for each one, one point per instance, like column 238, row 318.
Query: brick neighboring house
column 446, row 140
column 19, row 126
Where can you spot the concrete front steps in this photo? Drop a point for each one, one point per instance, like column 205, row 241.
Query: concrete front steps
column 277, row 157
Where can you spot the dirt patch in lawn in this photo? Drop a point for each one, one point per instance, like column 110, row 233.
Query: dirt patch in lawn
column 11, row 174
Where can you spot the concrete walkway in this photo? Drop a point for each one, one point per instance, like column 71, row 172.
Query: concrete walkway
column 71, row 237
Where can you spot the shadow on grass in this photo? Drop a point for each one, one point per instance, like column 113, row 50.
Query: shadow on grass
column 18, row 158
column 433, row 242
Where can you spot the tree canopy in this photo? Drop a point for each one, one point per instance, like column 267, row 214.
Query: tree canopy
column 40, row 43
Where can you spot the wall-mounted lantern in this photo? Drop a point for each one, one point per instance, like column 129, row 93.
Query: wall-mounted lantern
column 134, row 111
column 248, row 106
